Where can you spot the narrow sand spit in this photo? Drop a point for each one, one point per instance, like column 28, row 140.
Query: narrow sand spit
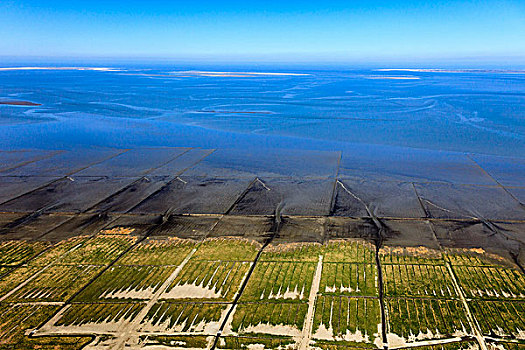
column 234, row 74
column 98, row 69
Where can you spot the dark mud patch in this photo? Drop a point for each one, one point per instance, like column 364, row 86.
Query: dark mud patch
column 258, row 228
column 186, row 226
column 134, row 163
column 33, row 228
column 130, row 196
column 446, row 201
column 294, row 196
column 343, row 228
column 475, row 234
column 194, row 196
column 70, row 194
column 408, row 233
column 384, row 199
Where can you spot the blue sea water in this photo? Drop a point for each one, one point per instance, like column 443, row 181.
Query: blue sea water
column 377, row 112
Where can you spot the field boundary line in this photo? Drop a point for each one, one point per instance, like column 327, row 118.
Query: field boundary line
column 308, row 323
column 473, row 322
column 39, row 272
column 132, row 326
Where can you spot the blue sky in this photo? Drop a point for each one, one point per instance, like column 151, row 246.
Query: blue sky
column 265, row 30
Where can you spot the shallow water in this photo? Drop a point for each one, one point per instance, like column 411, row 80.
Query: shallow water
column 475, row 112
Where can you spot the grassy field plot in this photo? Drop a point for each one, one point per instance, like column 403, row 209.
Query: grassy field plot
column 127, row 282
column 417, row 280
column 16, row 319
column 13, row 253
column 177, row 341
column 97, row 317
column 491, row 282
column 505, row 346
column 350, row 251
column 416, row 319
column 58, row 251
column 347, row 319
column 198, row 317
column 410, row 255
column 217, row 280
column 15, row 278
column 264, row 343
column 169, row 251
column 460, row 345
column 275, row 318
column 56, row 283
column 232, row 249
column 297, row 252
column 101, row 249
column 280, row 281
column 500, row 318
column 349, row 279
column 473, row 257
column 186, row 226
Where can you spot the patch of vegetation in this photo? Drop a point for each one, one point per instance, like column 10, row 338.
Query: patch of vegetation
column 424, row 318
column 410, row 255
column 280, row 281
column 179, row 341
column 170, row 251
column 491, row 282
column 99, row 250
column 270, row 343
column 57, row 283
column 346, row 318
column 81, row 314
column 57, row 251
column 184, row 317
column 14, row 253
column 232, row 249
column 349, row 279
column 199, row 280
column 500, row 318
column 126, row 282
column 417, row 280
column 17, row 319
column 248, row 315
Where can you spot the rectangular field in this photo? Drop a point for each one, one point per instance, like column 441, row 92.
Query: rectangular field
column 347, row 319
column 272, row 318
column 349, row 279
column 416, row 319
column 417, row 281
column 410, row 255
column 57, row 283
column 13, row 253
column 16, row 319
column 231, row 249
column 98, row 318
column 500, row 318
column 126, row 282
column 491, row 282
column 203, row 280
column 100, row 250
column 155, row 251
column 280, row 281
column 178, row 318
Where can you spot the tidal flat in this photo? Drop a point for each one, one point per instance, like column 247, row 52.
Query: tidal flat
column 236, row 210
